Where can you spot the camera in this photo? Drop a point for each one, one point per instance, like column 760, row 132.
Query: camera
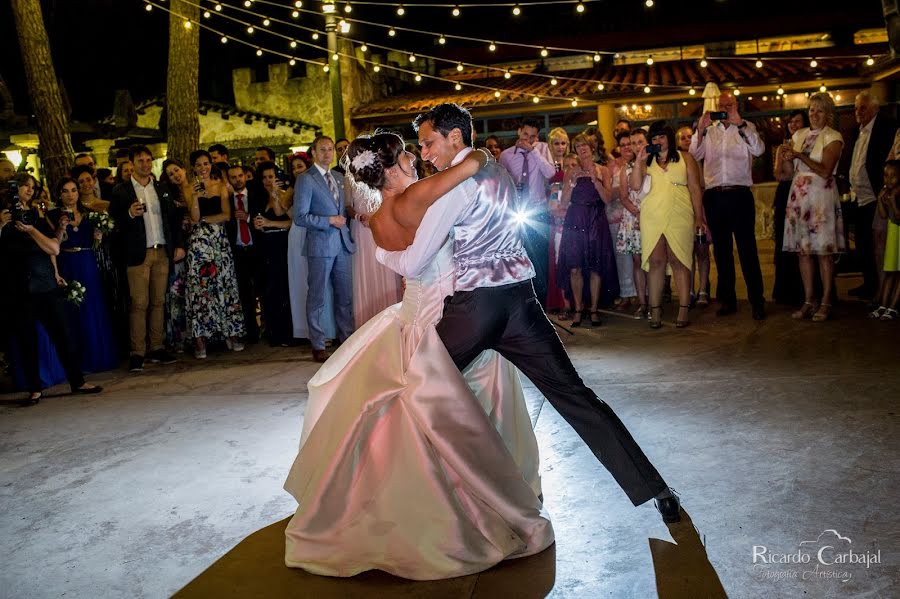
column 19, row 213
column 283, row 177
column 718, row 115
column 653, row 149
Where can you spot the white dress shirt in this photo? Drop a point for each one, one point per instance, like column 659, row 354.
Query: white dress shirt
column 153, row 225
column 727, row 153
column 245, row 196
column 540, row 169
column 859, row 176
column 439, row 220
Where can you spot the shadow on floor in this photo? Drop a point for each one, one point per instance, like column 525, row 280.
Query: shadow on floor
column 683, row 570
column 255, row 568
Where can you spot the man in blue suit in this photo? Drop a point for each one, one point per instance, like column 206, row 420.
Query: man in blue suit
column 319, row 206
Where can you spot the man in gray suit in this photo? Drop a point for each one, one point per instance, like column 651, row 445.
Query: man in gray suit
column 319, row 206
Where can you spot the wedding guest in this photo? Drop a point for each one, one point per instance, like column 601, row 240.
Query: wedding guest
column 788, row 286
column 298, row 271
column 671, row 213
column 530, row 165
column 615, row 211
column 340, row 146
column 124, row 171
column 212, row 298
column 218, row 153
column 558, row 140
column 90, row 324
column 107, row 181
column 147, row 218
column 375, row 287
column 273, row 224
column 586, row 246
column 50, row 370
column 889, row 209
column 35, row 296
column 320, row 207
column 175, row 177
column 814, row 225
column 492, row 145
column 727, row 149
column 628, row 238
column 701, row 243
column 246, row 247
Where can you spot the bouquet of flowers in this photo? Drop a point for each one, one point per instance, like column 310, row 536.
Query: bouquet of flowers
column 102, row 222
column 75, row 292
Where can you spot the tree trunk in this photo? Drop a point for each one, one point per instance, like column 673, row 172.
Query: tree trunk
column 182, row 94
column 57, row 156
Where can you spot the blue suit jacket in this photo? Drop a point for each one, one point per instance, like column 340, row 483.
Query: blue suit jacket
column 313, row 204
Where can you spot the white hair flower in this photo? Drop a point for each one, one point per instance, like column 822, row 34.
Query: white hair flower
column 364, row 159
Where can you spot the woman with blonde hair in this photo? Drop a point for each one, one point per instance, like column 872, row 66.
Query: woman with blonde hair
column 558, row 140
column 813, row 226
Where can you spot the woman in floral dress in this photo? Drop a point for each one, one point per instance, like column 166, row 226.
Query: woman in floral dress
column 813, row 226
column 177, row 178
column 628, row 238
column 213, row 303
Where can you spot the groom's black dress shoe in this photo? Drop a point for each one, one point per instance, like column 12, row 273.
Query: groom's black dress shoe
column 670, row 508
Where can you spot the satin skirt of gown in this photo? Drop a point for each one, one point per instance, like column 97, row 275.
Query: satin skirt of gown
column 402, row 468
column 298, row 287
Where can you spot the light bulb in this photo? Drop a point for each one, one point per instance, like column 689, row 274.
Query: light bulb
column 455, row 11
column 535, row 99
column 224, row 40
column 497, row 94
column 703, row 63
column 206, row 14
column 418, row 78
column 391, row 32
column 298, row 4
column 412, row 58
column 250, row 30
column 649, row 3
column 764, row 98
column 823, row 89
column 646, row 89
column 596, row 57
column 326, row 68
column 759, row 63
column 459, row 67
column 266, row 22
column 293, row 44
column 218, row 8
column 579, row 7
column 692, row 91
column 296, row 14
column 364, row 48
column 335, row 56
column 347, row 8
column 600, row 87
column 492, row 47
column 376, row 68
column 553, row 81
column 292, row 62
column 870, row 61
column 442, row 40
column 516, row 10
column 649, row 60
column 813, row 63
column 188, row 24
column 315, row 35
column 574, row 103
column 544, row 53
column 259, row 52
column 780, row 91
column 457, row 87
column 507, row 75
column 736, row 92
column 401, row 11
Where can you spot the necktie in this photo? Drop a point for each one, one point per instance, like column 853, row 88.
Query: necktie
column 331, row 186
column 523, row 180
column 242, row 223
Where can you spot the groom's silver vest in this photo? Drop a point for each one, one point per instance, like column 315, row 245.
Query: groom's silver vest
column 488, row 249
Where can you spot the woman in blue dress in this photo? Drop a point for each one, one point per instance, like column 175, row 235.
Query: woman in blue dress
column 90, row 322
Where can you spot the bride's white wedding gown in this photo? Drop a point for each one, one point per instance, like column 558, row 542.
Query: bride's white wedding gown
column 403, row 468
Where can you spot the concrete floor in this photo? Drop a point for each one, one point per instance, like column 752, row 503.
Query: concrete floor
column 773, row 433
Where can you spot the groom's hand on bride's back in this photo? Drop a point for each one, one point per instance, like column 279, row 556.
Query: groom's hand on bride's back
column 337, row 221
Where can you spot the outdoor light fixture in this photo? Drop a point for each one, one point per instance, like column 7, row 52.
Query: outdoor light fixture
column 507, row 74
column 813, row 63
column 703, row 63
column 218, row 8
column 492, row 47
column 442, row 40
column 649, row 3
column 780, row 91
column 391, row 32
column 516, row 10
column 496, row 94
column 418, row 78
column 296, row 14
column 293, row 44
column 298, row 4
column 259, row 52
column 326, row 68
column 315, row 35
column 459, row 67
column 206, row 14
column 250, row 30
column 347, row 8
column 364, row 48
column 335, row 56
column 376, row 68
column 646, row 89
column 224, row 40
column 574, row 103
column 870, row 61
column 401, row 11
column 579, row 7
column 600, row 87
column 758, row 63
column 328, row 7
column 736, row 92
column 292, row 62
column 692, row 91
column 457, row 87
column 455, row 11
column 535, row 99
column 596, row 57
column 553, row 81
column 188, row 24
column 412, row 58
column 823, row 89
column 266, row 22
column 544, row 53
column 649, row 60
column 148, row 8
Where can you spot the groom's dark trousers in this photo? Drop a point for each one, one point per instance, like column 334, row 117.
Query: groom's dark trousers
column 509, row 320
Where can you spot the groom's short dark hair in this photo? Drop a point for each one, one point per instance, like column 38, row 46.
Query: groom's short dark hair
column 447, row 117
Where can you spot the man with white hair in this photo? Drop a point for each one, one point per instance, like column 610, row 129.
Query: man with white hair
column 864, row 170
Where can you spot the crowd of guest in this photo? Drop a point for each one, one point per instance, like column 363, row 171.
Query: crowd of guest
column 211, row 253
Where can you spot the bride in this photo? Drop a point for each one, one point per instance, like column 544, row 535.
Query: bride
column 407, row 465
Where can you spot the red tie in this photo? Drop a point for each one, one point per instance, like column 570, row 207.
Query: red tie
column 242, row 224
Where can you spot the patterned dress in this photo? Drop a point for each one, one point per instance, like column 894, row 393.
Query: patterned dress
column 628, row 238
column 813, row 224
column 212, row 299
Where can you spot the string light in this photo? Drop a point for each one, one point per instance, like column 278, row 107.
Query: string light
column 579, row 7
column 188, row 24
column 600, row 87
column 335, row 56
column 455, row 11
column 870, row 61
column 250, row 30
column 649, row 60
column 507, row 74
column 544, row 53
column 364, row 48
column 347, row 8
column 418, row 78
column 298, row 4
column 412, row 58
column 736, row 92
column 496, row 94
column 292, row 62
column 553, row 81
column 442, row 40
column 823, row 89
column 400, row 10
column 516, row 10
column 293, row 44
column 376, row 68
column 813, row 63
column 223, row 39
column 780, row 91
column 457, row 87
column 459, row 67
column 492, row 47
column 206, row 14
column 247, row 3
column 703, row 63
column 596, row 57
column 692, row 91
column 148, row 8
column 259, row 52
column 649, row 3
column 296, row 14
column 535, row 99
column 218, row 8
column 646, row 89
column 759, row 63
column 266, row 22
column 392, row 32
column 575, row 103
column 315, row 35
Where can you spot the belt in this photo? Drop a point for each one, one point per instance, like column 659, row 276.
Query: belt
column 729, row 188
column 156, row 246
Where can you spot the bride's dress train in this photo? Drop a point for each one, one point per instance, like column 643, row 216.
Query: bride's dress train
column 401, row 467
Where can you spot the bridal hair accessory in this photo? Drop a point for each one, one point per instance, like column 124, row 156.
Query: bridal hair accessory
column 370, row 196
column 364, row 159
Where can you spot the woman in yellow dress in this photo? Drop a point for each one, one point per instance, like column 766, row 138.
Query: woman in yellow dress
column 671, row 215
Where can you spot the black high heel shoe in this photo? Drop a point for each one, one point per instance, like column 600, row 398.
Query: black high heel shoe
column 680, row 324
column 579, row 314
column 655, row 317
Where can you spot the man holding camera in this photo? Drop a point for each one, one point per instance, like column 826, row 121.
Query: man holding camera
column 727, row 144
column 146, row 214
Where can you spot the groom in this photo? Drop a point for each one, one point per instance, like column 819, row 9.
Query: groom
column 495, row 307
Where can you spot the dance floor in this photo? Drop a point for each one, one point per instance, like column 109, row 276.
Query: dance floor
column 780, row 437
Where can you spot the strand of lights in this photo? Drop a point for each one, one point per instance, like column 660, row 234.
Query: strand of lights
column 224, row 38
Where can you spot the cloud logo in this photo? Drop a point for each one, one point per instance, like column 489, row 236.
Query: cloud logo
column 830, row 531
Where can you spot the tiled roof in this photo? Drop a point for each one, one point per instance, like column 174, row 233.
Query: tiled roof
column 618, row 80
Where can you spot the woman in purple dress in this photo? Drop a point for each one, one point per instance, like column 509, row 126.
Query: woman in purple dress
column 586, row 246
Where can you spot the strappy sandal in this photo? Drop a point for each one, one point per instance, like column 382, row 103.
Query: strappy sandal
column 33, row 399
column 878, row 312
column 702, row 299
column 641, row 312
column 596, row 322
column 577, row 323
column 680, row 324
column 823, row 313
column 889, row 314
column 805, row 311
column 656, row 323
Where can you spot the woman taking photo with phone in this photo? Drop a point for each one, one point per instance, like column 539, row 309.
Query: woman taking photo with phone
column 275, row 222
column 212, row 299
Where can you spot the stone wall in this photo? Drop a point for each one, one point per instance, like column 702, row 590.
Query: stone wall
column 306, row 98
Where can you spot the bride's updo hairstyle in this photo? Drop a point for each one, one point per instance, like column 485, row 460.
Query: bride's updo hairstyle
column 367, row 158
